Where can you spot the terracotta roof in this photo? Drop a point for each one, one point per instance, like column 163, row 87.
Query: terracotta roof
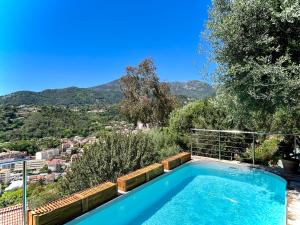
column 12, row 215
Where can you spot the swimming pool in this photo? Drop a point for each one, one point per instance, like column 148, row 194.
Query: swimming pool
column 199, row 193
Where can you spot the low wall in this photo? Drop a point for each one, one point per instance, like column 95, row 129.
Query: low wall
column 68, row 208
column 176, row 160
column 138, row 177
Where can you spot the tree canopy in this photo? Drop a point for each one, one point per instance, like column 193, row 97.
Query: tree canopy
column 257, row 47
column 146, row 99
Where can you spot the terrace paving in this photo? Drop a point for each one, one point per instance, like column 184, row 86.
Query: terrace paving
column 293, row 187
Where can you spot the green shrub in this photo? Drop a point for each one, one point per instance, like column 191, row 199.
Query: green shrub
column 164, row 142
column 11, row 198
column 114, row 155
column 42, row 194
column 266, row 153
column 198, row 114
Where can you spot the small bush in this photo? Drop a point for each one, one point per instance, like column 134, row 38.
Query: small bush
column 43, row 194
column 113, row 156
column 164, row 142
column 266, row 153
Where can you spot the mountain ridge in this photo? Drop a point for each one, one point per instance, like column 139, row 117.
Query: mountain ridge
column 108, row 93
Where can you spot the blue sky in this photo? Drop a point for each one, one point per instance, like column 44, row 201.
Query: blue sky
column 59, row 43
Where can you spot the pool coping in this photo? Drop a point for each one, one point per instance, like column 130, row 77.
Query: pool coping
column 292, row 191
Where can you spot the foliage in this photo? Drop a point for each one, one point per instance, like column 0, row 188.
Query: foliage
column 113, row 156
column 37, row 194
column 11, row 198
column 164, row 142
column 287, row 120
column 48, row 142
column 23, row 145
column 9, row 119
column 68, row 97
column 256, row 44
column 267, row 152
column 50, row 123
column 41, row 194
column 199, row 114
column 145, row 98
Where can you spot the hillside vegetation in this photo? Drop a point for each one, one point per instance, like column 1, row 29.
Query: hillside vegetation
column 106, row 94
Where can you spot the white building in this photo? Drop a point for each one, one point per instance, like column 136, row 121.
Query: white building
column 14, row 185
column 4, row 176
column 47, row 154
column 33, row 165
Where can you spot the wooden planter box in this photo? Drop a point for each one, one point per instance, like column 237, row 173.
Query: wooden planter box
column 171, row 162
column 93, row 197
column 153, row 171
column 185, row 157
column 57, row 212
column 138, row 177
column 131, row 180
column 176, row 160
column 66, row 209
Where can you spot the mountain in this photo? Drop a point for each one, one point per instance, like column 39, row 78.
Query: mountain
column 104, row 94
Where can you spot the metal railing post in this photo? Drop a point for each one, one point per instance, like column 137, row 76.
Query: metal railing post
column 295, row 144
column 253, row 156
column 219, row 145
column 24, row 194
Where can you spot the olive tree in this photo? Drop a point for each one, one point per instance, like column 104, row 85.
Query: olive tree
column 256, row 44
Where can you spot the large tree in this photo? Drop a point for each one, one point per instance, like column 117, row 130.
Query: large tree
column 146, row 99
column 257, row 47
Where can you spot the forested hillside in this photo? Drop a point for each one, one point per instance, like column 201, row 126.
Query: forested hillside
column 105, row 94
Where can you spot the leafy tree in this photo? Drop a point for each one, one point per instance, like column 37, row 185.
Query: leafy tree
column 145, row 98
column 199, row 114
column 113, row 156
column 11, row 198
column 287, row 121
column 23, row 145
column 256, row 45
column 48, row 142
column 37, row 194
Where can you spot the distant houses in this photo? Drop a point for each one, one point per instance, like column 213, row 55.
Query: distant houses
column 47, row 154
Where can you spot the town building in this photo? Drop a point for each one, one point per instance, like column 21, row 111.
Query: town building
column 55, row 164
column 4, row 176
column 47, row 154
column 31, row 165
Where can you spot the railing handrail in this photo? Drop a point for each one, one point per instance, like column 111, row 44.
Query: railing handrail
column 216, row 141
column 243, row 132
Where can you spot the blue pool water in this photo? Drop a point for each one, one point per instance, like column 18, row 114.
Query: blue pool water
column 202, row 193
